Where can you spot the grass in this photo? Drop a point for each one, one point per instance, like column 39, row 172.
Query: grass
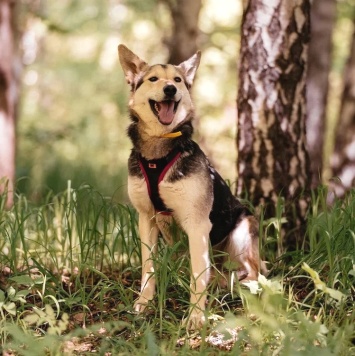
column 69, row 273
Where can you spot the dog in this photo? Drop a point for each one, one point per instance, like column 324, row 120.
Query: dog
column 170, row 178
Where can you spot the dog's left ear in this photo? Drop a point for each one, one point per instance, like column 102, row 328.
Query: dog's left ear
column 131, row 63
column 189, row 67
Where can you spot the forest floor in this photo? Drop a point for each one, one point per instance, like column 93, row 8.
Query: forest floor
column 69, row 274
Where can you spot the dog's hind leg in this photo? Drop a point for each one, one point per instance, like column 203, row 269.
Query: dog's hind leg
column 148, row 231
column 243, row 248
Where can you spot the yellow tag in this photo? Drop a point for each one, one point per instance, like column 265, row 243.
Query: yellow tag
column 172, row 134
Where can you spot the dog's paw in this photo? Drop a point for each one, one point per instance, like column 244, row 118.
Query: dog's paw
column 195, row 320
column 140, row 305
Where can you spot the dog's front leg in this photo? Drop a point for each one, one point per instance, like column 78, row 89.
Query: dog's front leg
column 200, row 265
column 148, row 232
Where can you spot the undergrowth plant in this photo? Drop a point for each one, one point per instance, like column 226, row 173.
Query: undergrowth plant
column 70, row 268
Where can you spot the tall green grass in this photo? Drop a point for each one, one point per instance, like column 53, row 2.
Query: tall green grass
column 70, row 271
column 76, row 228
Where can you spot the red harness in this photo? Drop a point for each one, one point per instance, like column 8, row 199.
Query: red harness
column 154, row 172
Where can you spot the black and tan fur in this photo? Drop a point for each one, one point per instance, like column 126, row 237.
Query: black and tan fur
column 197, row 197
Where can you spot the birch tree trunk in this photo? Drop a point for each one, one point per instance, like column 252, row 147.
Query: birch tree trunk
column 343, row 159
column 323, row 15
column 272, row 158
column 183, row 42
column 8, row 100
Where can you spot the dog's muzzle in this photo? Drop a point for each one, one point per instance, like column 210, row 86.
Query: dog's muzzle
column 165, row 110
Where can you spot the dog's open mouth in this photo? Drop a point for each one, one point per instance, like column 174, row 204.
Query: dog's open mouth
column 164, row 110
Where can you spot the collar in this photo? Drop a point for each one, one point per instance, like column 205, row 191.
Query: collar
column 172, row 134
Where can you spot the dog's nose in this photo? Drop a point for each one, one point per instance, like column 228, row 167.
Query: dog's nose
column 169, row 90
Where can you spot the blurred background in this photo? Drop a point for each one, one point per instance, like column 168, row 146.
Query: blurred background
column 72, row 115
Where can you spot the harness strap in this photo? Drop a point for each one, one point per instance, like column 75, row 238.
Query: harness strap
column 154, row 172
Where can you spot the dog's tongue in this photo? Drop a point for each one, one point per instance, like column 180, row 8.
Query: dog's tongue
column 166, row 111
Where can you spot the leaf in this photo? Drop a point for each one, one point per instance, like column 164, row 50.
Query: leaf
column 20, row 296
column 50, row 312
column 31, row 318
column 315, row 276
column 17, row 296
column 262, row 279
column 319, row 284
column 270, row 286
column 24, row 279
column 335, row 294
column 10, row 308
column 11, row 292
column 39, row 316
column 39, row 312
column 323, row 329
column 215, row 317
column 253, row 287
column 60, row 326
column 22, row 293
column 39, row 280
column 310, row 270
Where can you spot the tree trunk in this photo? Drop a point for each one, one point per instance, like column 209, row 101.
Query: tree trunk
column 323, row 15
column 183, row 42
column 343, row 159
column 272, row 158
column 8, row 100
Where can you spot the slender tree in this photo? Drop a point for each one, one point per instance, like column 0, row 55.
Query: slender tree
column 8, row 99
column 183, row 42
column 343, row 159
column 323, row 15
column 272, row 158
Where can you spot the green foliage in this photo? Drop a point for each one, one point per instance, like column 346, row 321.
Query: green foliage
column 70, row 273
column 8, row 300
column 39, row 317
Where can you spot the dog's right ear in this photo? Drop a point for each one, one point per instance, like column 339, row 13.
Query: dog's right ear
column 189, row 67
column 131, row 63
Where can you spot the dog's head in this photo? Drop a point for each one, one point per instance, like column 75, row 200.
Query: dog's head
column 160, row 94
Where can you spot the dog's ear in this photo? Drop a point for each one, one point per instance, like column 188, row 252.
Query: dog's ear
column 131, row 63
column 189, row 67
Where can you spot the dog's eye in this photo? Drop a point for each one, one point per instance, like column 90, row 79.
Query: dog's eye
column 153, row 79
column 177, row 79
